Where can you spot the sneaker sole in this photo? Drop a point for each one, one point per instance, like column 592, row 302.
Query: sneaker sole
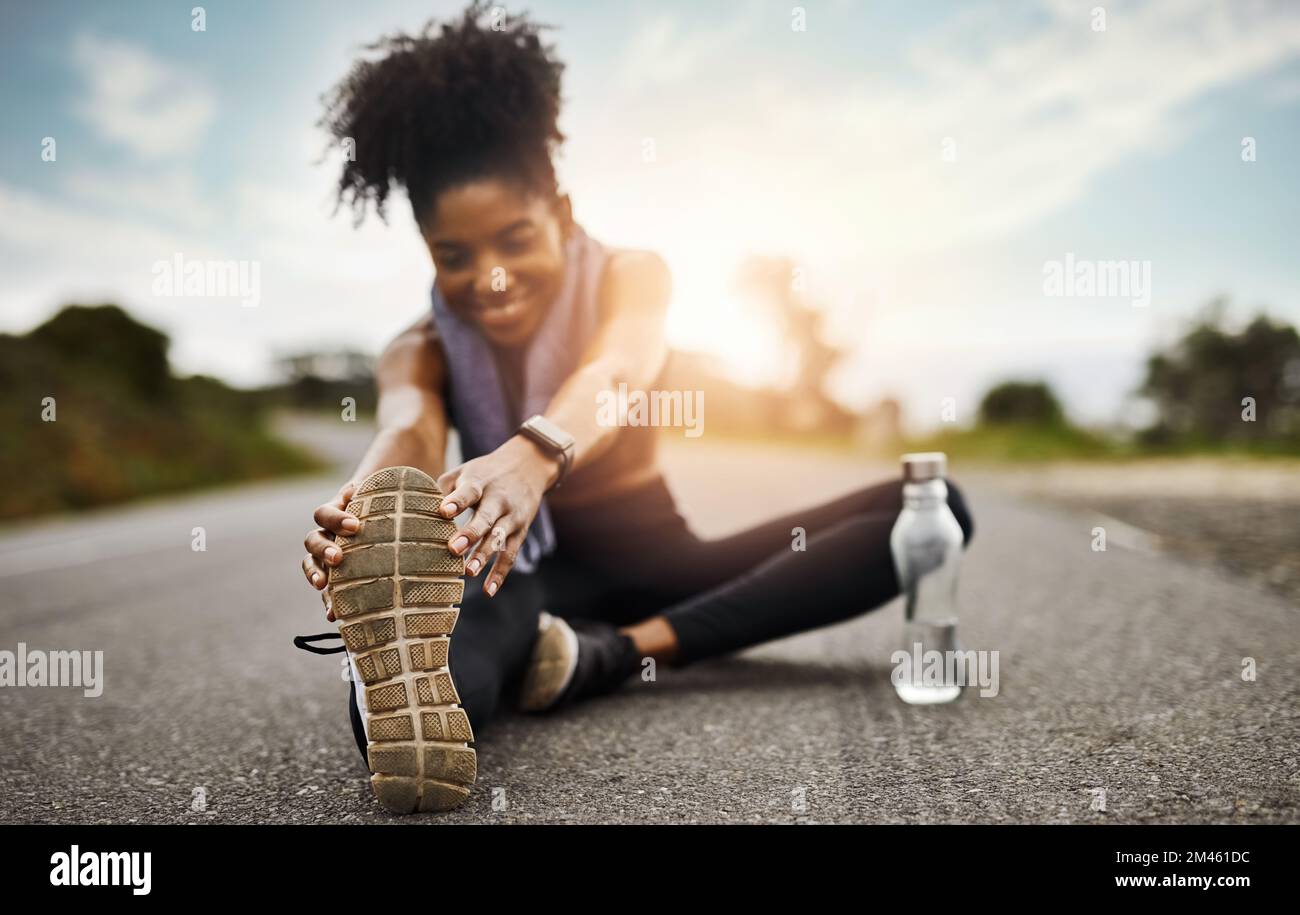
column 395, row 597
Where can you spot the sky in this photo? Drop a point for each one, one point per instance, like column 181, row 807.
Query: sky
column 921, row 163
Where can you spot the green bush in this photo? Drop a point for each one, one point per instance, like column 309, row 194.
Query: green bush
column 1021, row 403
column 123, row 426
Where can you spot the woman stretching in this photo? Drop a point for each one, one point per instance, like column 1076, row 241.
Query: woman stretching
column 571, row 565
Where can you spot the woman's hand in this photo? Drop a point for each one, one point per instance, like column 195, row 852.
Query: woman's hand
column 505, row 489
column 321, row 551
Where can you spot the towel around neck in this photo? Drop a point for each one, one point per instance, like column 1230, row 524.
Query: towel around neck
column 479, row 406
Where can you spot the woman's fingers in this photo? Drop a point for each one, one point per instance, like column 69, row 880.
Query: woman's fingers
column 505, row 561
column 490, row 542
column 332, row 517
column 316, row 573
column 322, row 553
column 320, row 543
column 494, row 540
column 465, row 494
column 485, row 516
column 447, row 482
column 475, row 563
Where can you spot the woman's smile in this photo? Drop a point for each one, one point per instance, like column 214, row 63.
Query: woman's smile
column 503, row 313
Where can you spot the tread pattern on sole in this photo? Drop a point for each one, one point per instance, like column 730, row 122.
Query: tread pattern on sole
column 395, row 595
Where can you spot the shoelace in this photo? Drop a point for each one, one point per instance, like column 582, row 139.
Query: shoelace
column 304, row 642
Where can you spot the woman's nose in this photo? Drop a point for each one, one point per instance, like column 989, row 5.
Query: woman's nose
column 490, row 280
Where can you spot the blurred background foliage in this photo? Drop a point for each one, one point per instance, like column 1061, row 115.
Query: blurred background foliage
column 126, row 427
column 1199, row 385
column 123, row 426
column 1214, row 390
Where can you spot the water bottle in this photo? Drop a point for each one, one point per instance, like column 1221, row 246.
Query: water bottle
column 926, row 543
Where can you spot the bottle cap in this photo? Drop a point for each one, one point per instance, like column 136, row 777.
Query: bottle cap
column 924, row 465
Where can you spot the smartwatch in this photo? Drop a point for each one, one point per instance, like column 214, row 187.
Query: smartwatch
column 552, row 439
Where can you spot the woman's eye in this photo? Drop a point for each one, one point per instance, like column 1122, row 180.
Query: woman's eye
column 516, row 245
column 454, row 261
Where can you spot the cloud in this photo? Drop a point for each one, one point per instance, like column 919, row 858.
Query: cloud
column 793, row 143
column 151, row 107
column 829, row 158
column 170, row 194
column 1037, row 115
column 849, row 161
column 323, row 283
column 665, row 50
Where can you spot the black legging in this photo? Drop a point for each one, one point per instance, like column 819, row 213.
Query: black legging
column 636, row 557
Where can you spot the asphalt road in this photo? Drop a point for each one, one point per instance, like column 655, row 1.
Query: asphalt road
column 1119, row 671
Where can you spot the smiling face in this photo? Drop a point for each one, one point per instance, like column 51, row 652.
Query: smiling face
column 499, row 255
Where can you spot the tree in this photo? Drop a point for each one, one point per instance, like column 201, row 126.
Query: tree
column 776, row 283
column 1217, row 386
column 104, row 341
column 1021, row 403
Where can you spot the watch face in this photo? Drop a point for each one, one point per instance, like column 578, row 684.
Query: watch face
column 554, row 435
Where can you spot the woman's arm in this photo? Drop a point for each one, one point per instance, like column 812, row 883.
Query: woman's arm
column 629, row 347
column 506, row 486
column 412, row 431
column 412, row 417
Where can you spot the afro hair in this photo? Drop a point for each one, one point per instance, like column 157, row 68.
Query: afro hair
column 453, row 103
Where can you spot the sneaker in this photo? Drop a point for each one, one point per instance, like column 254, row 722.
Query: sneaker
column 550, row 669
column 575, row 661
column 395, row 597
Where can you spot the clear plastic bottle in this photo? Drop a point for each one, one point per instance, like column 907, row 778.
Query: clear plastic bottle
column 927, row 543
